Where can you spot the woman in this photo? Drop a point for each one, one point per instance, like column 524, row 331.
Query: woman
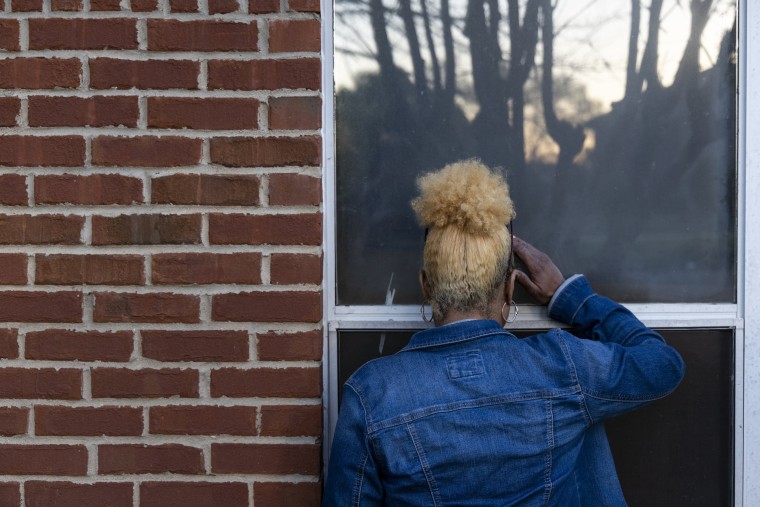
column 466, row 413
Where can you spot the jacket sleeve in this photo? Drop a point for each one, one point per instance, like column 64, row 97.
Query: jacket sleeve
column 619, row 363
column 352, row 475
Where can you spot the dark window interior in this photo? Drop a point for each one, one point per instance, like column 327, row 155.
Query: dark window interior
column 676, row 452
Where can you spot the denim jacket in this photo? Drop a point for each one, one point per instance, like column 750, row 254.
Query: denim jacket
column 469, row 415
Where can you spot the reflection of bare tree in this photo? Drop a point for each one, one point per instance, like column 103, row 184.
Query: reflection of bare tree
column 657, row 147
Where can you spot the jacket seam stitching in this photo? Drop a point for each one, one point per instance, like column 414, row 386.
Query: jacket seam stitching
column 548, row 454
column 407, row 418
column 425, row 466
column 574, row 375
column 580, row 306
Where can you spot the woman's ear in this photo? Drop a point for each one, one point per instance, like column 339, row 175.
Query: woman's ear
column 424, row 285
column 509, row 287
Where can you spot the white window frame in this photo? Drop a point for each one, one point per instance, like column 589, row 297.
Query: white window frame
column 743, row 317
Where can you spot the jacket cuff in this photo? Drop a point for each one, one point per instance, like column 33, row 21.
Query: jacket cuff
column 569, row 298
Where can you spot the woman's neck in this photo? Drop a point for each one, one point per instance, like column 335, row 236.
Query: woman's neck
column 457, row 315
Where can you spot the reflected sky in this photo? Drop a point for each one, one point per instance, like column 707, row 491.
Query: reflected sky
column 591, row 41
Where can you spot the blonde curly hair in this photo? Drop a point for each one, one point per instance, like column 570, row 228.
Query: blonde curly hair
column 465, row 207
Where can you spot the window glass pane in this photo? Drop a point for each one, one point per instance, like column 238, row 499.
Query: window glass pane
column 620, row 156
column 676, row 451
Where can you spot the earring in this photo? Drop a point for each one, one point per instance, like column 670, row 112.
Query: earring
column 422, row 312
column 506, row 317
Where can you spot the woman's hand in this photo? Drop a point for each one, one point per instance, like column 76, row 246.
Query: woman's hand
column 543, row 277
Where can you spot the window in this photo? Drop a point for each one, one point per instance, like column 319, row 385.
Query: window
column 622, row 161
column 620, row 157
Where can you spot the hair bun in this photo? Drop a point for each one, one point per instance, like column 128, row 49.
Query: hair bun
column 465, row 194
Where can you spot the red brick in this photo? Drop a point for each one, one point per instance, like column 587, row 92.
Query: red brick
column 9, row 33
column 266, row 151
column 301, row 73
column 295, row 113
column 65, row 345
column 13, row 421
column 43, row 460
column 267, row 307
column 66, row 5
column 263, row 6
column 9, row 106
column 146, row 230
column 206, row 268
column 105, row 5
column 184, row 420
column 10, row 494
column 238, row 229
column 223, row 6
column 149, row 459
column 26, row 5
column 40, row 229
column 294, row 35
column 295, row 269
column 82, row 34
column 79, row 112
column 197, row 494
column 47, row 383
column 265, row 459
column 266, row 382
column 291, row 421
column 294, row 190
column 30, row 151
column 96, row 189
column 285, row 494
column 144, row 5
column 108, row 73
column 88, row 421
column 208, row 189
column 13, row 190
column 65, row 494
column 183, row 5
column 8, row 344
column 304, row 6
column 205, row 113
column 39, row 73
column 13, row 269
column 154, row 307
column 145, row 151
column 21, row 306
column 206, row 346
column 144, row 383
column 67, row 269
column 204, row 35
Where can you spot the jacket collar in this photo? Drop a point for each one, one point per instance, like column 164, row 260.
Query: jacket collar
column 454, row 333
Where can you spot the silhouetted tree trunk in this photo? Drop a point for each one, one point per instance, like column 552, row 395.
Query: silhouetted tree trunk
column 632, row 80
column 485, row 54
column 420, row 80
column 648, row 69
column 431, row 49
column 388, row 70
column 448, row 47
column 688, row 68
column 568, row 137
column 491, row 125
column 522, row 42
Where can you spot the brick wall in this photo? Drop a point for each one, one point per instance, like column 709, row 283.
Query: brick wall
column 160, row 252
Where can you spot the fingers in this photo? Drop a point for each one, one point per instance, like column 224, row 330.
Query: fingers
column 531, row 256
column 536, row 290
column 543, row 277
